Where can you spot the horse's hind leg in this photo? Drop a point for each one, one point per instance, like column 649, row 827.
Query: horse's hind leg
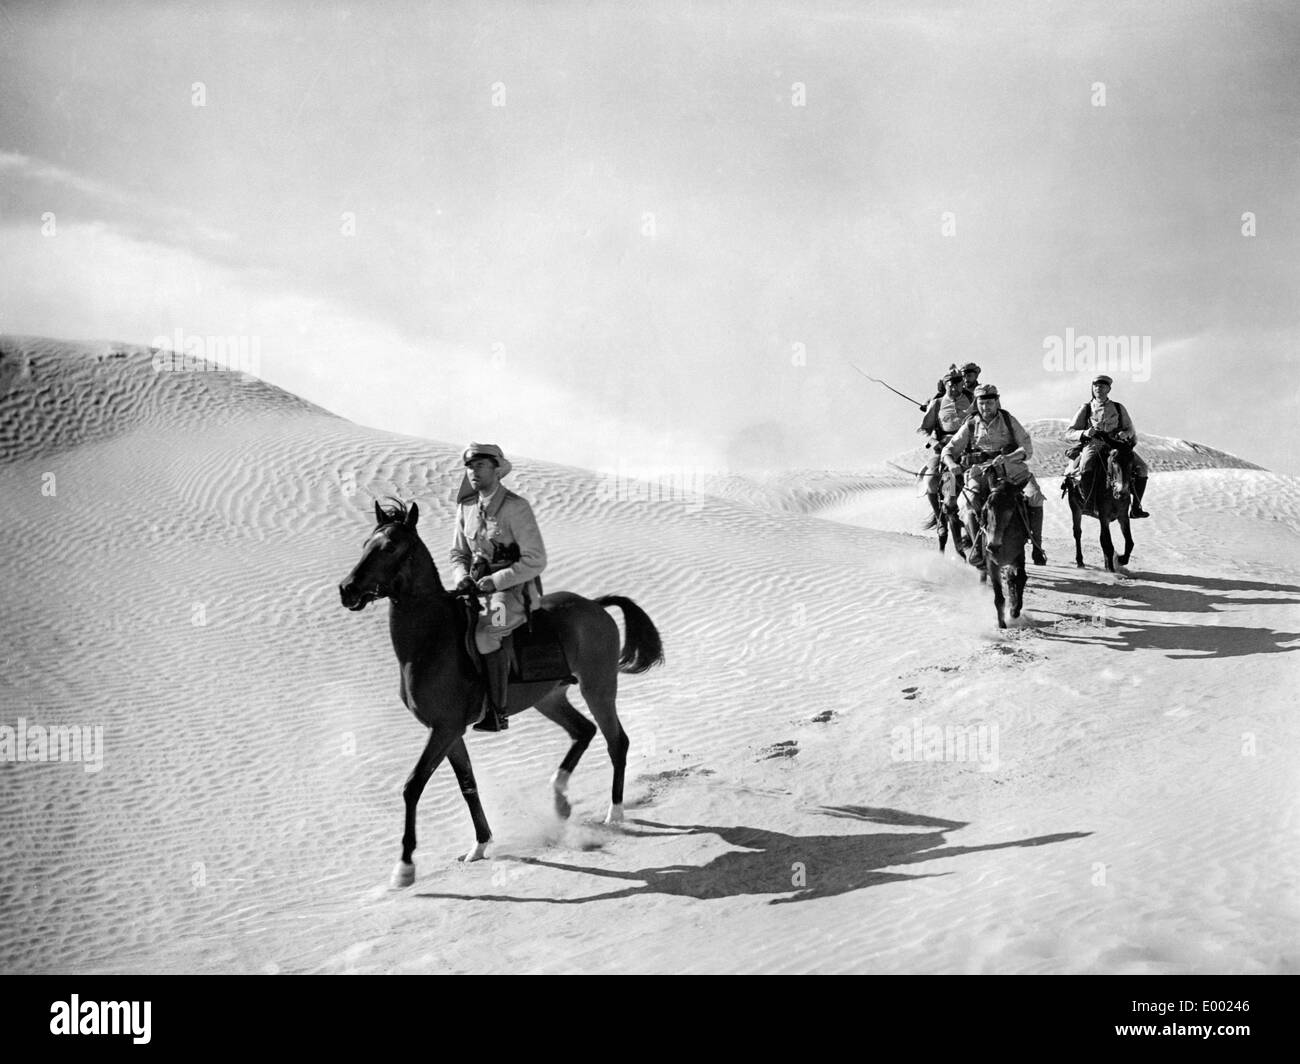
column 939, row 520
column 556, row 707
column 458, row 756
column 1107, row 544
column 1076, row 520
column 600, row 700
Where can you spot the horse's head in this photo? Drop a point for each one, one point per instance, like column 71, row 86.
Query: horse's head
column 382, row 570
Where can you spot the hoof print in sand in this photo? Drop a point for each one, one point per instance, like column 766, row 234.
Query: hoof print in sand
column 823, row 717
column 785, row 748
column 910, row 692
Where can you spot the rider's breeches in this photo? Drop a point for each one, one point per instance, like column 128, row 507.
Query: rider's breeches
column 931, row 482
column 1091, row 457
column 1089, row 460
column 503, row 613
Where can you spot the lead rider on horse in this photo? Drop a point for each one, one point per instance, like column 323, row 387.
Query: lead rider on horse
column 496, row 536
column 990, row 433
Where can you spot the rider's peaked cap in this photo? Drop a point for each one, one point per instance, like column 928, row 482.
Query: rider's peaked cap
column 1101, row 378
column 953, row 374
column 488, row 450
column 969, row 366
column 986, row 391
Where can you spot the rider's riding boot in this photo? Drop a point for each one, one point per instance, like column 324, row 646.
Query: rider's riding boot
column 938, row 511
column 1036, row 534
column 496, row 666
column 1139, row 488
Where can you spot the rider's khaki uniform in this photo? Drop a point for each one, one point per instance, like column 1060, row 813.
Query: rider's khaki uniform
column 943, row 417
column 506, row 519
column 1102, row 416
column 991, row 437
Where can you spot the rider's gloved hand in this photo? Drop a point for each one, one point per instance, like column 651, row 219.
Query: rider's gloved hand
column 465, row 586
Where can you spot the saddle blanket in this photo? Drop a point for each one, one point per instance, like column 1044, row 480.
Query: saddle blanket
column 538, row 656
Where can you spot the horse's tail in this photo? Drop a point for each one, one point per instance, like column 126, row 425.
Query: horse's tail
column 643, row 649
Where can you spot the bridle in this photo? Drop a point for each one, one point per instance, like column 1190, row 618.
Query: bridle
column 401, row 550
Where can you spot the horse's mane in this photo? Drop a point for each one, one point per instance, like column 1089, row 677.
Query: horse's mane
column 397, row 512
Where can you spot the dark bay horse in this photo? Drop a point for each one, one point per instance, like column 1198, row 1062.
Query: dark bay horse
column 1001, row 538
column 441, row 686
column 1112, row 495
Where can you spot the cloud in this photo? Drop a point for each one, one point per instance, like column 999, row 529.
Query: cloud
column 67, row 286
column 129, row 212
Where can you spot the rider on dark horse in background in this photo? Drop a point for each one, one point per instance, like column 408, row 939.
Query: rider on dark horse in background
column 943, row 417
column 1101, row 415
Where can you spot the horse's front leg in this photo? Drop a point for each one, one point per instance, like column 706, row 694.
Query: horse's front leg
column 994, row 571
column 955, row 531
column 1104, row 518
column 1020, row 579
column 1128, row 535
column 435, row 749
column 458, row 756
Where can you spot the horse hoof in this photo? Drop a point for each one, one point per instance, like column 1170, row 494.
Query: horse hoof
column 615, row 815
column 560, row 787
column 403, row 875
column 1080, row 565
column 477, row 852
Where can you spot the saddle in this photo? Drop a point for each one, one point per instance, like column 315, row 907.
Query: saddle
column 534, row 649
column 1117, row 479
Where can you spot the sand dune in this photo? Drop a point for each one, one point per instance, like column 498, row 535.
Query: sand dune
column 1134, row 810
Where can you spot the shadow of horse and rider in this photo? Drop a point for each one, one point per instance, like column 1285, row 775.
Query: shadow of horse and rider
column 791, row 868
column 1166, row 593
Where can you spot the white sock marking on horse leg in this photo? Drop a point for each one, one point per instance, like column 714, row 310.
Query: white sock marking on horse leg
column 403, row 875
column 560, row 781
column 477, row 851
column 615, row 814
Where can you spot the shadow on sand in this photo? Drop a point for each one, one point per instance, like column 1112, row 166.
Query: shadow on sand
column 789, row 867
column 1172, row 593
column 1175, row 594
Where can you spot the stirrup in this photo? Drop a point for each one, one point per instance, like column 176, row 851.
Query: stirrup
column 490, row 720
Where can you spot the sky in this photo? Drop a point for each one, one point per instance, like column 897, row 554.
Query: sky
column 662, row 236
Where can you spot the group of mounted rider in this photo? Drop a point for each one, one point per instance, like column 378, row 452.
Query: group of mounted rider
column 455, row 649
column 975, row 446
